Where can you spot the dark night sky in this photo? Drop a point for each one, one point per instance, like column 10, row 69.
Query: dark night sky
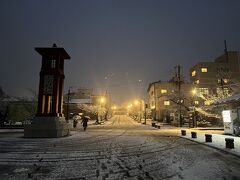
column 113, row 43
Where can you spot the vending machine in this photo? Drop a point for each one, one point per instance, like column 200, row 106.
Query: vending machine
column 228, row 118
column 231, row 121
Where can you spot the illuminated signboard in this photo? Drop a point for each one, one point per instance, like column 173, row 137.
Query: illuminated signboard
column 226, row 114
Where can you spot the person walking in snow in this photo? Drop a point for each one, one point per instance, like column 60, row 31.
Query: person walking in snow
column 85, row 122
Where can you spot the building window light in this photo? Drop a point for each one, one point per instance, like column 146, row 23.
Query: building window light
column 166, row 103
column 193, row 73
column 204, row 70
column 163, row 91
column 196, row 102
column 203, row 91
column 206, row 103
column 197, row 82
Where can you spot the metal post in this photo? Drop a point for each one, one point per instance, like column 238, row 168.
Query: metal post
column 155, row 108
column 145, row 113
column 140, row 111
column 68, row 100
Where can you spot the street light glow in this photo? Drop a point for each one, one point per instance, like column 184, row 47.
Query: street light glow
column 129, row 106
column 194, row 91
column 102, row 100
column 114, row 107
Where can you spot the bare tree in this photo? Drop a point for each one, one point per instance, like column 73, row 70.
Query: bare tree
column 4, row 106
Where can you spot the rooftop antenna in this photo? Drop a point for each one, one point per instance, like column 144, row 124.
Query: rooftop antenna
column 225, row 50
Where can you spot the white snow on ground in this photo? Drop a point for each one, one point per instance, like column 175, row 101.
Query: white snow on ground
column 119, row 149
column 218, row 141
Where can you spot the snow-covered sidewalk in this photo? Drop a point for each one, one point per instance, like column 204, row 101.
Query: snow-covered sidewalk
column 218, row 141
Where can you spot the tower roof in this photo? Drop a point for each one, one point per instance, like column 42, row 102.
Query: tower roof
column 52, row 51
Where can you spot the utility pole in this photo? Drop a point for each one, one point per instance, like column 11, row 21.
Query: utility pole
column 226, row 54
column 107, row 103
column 155, row 103
column 68, row 100
column 145, row 113
column 225, row 50
column 179, row 94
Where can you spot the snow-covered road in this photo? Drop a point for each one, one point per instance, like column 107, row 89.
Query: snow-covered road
column 119, row 149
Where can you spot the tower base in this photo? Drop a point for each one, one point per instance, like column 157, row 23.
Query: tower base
column 47, row 127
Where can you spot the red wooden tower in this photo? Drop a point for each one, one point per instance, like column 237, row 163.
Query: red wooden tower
column 50, row 98
column 49, row 120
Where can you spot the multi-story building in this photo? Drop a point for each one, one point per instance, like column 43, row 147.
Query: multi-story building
column 216, row 77
column 167, row 103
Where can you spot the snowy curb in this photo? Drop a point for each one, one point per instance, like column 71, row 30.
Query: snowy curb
column 11, row 130
column 218, row 142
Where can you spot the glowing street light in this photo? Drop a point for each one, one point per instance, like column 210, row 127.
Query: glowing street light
column 114, row 107
column 136, row 102
column 102, row 100
column 194, row 91
column 129, row 106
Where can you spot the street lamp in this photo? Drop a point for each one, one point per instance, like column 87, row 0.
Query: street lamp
column 194, row 91
column 68, row 101
column 136, row 102
column 114, row 107
column 102, row 100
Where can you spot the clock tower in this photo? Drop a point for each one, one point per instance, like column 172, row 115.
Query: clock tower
column 49, row 120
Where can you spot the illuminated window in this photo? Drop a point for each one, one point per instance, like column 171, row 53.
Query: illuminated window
column 196, row 102
column 166, row 103
column 222, row 90
column 193, row 73
column 203, row 91
column 163, row 91
column 197, row 82
column 204, row 70
column 207, row 103
column 226, row 90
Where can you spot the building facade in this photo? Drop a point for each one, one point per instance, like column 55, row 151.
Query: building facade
column 217, row 77
column 167, row 103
